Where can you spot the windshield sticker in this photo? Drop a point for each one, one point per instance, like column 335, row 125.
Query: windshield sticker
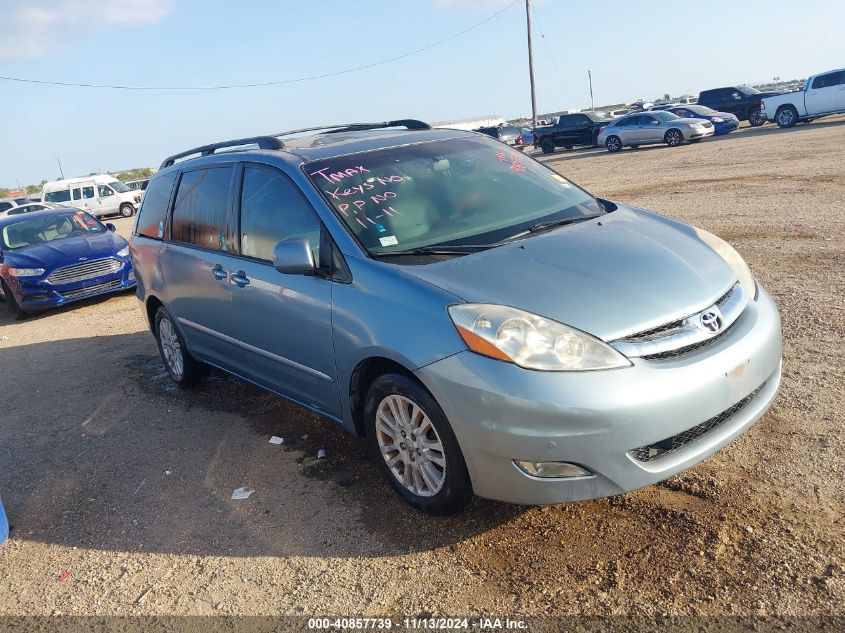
column 390, row 240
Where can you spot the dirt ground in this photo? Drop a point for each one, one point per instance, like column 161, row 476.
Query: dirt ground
column 118, row 484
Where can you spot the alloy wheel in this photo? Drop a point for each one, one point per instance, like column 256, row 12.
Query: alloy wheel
column 785, row 117
column 410, row 445
column 170, row 347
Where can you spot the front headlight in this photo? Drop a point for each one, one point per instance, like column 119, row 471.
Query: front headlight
column 732, row 259
column 717, row 119
column 123, row 252
column 531, row 341
column 26, row 272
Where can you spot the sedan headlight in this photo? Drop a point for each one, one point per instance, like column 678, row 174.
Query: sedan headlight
column 26, row 272
column 717, row 119
column 123, row 252
column 732, row 259
column 531, row 341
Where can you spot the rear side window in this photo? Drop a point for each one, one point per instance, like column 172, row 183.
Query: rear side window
column 199, row 213
column 58, row 196
column 151, row 216
column 828, row 80
column 273, row 210
column 5, row 205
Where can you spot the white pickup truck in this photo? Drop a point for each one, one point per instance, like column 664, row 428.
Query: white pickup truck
column 822, row 95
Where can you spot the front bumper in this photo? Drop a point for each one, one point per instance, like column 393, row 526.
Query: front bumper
column 694, row 133
column 726, row 126
column 500, row 412
column 33, row 296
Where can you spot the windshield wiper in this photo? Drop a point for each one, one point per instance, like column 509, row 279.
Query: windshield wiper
column 460, row 249
column 552, row 224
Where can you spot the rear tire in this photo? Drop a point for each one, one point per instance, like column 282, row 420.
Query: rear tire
column 547, row 146
column 127, row 210
column 613, row 144
column 755, row 117
column 414, row 446
column 673, row 138
column 183, row 368
column 787, row 116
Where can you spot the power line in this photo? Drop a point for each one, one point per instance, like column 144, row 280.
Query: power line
column 268, row 83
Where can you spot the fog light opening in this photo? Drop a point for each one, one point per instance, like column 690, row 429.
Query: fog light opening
column 551, row 470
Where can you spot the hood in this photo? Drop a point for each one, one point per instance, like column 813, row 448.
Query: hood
column 66, row 251
column 725, row 115
column 625, row 272
column 688, row 120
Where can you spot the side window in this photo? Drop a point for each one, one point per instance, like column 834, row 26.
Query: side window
column 153, row 211
column 826, row 81
column 58, row 196
column 582, row 121
column 77, row 193
column 272, row 210
column 104, row 191
column 5, row 205
column 199, row 214
column 87, row 192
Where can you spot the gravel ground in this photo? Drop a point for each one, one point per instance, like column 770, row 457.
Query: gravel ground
column 118, row 484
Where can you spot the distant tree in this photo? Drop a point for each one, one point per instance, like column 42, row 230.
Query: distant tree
column 134, row 174
column 4, row 192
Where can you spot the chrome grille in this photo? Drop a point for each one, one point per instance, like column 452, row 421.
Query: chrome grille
column 84, row 270
column 91, row 290
column 664, row 447
column 683, row 336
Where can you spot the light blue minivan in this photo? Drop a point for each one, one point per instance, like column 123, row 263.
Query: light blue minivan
column 490, row 327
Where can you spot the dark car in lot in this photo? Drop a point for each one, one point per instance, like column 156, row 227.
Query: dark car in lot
column 741, row 101
column 52, row 257
column 581, row 128
column 508, row 134
column 723, row 122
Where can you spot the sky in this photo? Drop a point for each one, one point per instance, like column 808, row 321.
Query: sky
column 634, row 50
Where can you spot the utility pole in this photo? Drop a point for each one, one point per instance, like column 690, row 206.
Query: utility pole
column 531, row 66
column 590, row 77
column 61, row 171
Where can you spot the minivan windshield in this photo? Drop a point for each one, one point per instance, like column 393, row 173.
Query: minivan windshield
column 467, row 191
column 30, row 231
column 118, row 186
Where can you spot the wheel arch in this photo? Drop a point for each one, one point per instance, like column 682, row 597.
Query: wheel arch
column 365, row 372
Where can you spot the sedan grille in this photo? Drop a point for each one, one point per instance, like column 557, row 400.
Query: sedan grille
column 91, row 290
column 84, row 270
column 669, row 445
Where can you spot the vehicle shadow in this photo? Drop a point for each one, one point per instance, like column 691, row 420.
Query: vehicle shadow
column 100, row 450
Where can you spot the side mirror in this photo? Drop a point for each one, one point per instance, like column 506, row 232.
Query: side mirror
column 655, row 122
column 294, row 257
column 111, row 227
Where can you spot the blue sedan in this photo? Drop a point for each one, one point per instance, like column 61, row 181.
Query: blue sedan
column 50, row 258
column 723, row 122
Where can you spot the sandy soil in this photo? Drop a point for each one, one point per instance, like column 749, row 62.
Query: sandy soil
column 118, row 484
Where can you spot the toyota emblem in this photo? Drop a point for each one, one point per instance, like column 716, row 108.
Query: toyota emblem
column 711, row 321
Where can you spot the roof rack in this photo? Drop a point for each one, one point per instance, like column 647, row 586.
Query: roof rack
column 263, row 142
column 411, row 124
column 271, row 141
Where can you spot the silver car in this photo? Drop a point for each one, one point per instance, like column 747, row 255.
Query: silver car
column 487, row 325
column 649, row 128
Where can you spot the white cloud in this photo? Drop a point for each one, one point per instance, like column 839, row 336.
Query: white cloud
column 31, row 28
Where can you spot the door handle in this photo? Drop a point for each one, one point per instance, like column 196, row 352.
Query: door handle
column 218, row 273
column 240, row 279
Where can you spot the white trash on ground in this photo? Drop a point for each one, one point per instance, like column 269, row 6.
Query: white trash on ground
column 276, row 440
column 321, row 454
column 242, row 493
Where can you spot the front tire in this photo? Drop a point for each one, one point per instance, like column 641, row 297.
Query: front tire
column 787, row 117
column 414, row 445
column 673, row 138
column 613, row 144
column 755, row 117
column 547, row 146
column 13, row 303
column 183, row 368
column 127, row 210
